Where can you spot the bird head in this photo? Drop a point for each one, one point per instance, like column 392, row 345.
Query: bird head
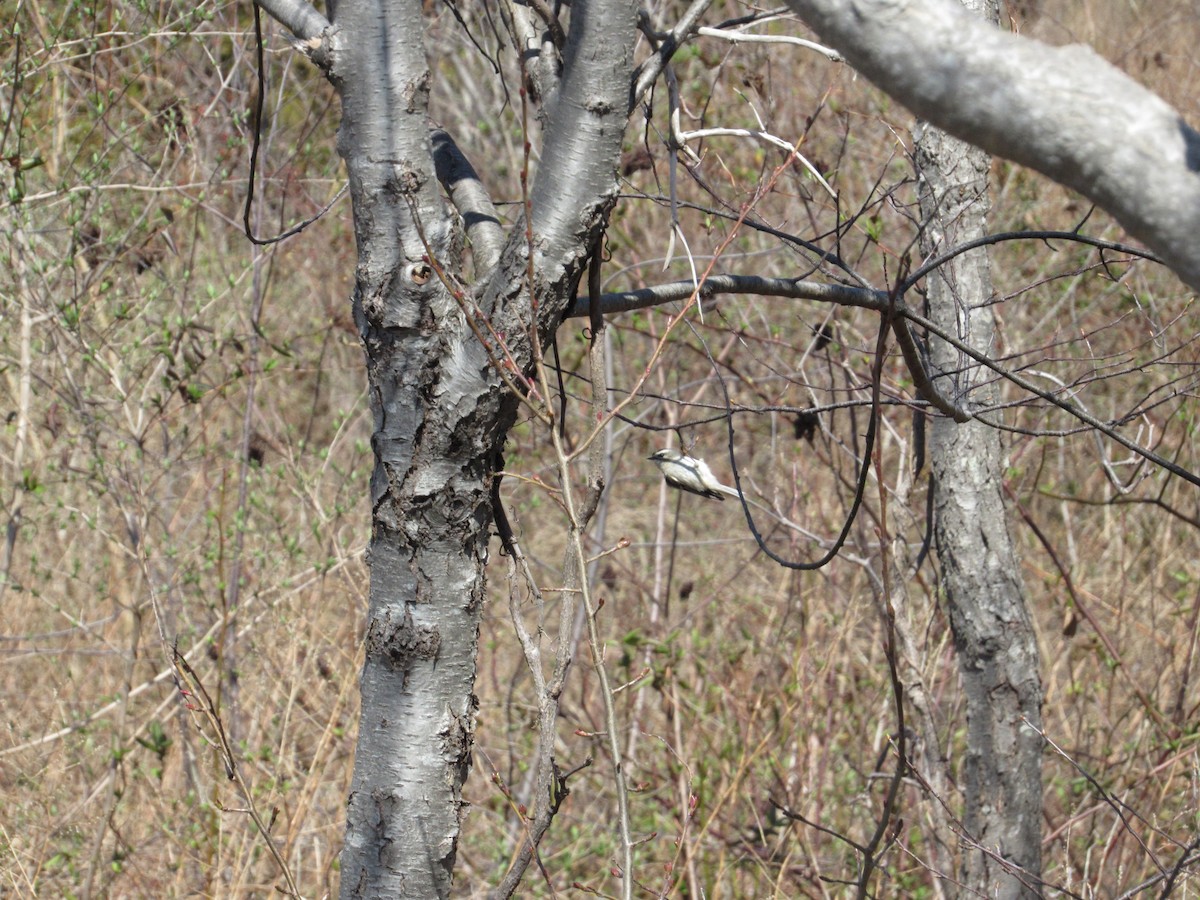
column 666, row 455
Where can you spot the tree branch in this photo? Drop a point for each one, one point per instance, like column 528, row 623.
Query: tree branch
column 471, row 199
column 539, row 49
column 649, row 71
column 714, row 285
column 297, row 16
column 576, row 175
column 1053, row 109
column 575, row 184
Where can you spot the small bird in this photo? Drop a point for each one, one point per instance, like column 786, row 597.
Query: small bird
column 690, row 474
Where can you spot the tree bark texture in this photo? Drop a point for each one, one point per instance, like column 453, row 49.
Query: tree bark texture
column 993, row 631
column 439, row 418
column 441, row 408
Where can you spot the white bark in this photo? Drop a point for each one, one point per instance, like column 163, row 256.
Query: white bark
column 441, row 407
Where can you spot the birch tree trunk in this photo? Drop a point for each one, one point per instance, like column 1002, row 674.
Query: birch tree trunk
column 442, row 405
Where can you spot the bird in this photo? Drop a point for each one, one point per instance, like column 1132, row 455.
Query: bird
column 690, row 474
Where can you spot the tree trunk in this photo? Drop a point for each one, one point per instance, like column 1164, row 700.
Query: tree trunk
column 439, row 418
column 445, row 362
column 993, row 631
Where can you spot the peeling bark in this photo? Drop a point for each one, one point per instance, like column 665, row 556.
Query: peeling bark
column 441, row 407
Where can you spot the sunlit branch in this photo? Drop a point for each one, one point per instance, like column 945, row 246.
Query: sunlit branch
column 738, row 37
column 297, row 16
column 471, row 199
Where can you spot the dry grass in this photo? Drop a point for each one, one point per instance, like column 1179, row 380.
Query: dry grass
column 130, row 355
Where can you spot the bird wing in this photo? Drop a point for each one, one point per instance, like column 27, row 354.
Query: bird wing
column 703, row 492
column 710, row 481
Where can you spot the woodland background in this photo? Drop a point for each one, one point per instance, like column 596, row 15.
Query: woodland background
column 185, row 459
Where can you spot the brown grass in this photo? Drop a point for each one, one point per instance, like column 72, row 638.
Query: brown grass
column 129, row 304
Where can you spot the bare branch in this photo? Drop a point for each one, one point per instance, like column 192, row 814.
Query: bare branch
column 1080, row 414
column 653, row 67
column 540, row 49
column 575, row 184
column 714, row 285
column 471, row 199
column 298, row 16
column 739, row 37
column 576, row 172
column 1054, row 109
